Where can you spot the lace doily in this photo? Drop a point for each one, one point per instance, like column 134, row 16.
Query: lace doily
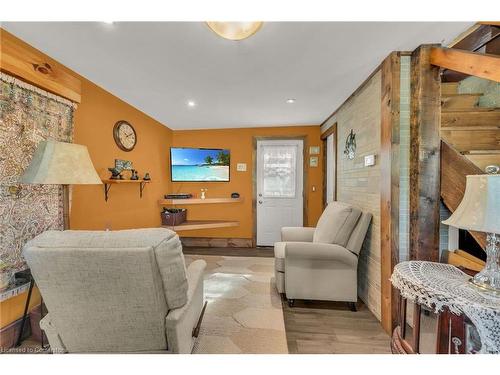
column 438, row 285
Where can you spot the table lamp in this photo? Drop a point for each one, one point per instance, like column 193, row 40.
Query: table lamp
column 61, row 163
column 479, row 211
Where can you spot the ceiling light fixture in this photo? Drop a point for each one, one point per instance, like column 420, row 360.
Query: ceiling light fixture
column 234, row 30
column 290, row 101
column 191, row 103
column 109, row 22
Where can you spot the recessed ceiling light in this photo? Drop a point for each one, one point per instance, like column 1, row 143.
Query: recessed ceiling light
column 191, row 103
column 290, row 101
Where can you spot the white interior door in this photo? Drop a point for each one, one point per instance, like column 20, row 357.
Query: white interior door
column 279, row 188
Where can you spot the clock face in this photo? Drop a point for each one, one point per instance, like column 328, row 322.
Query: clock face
column 124, row 135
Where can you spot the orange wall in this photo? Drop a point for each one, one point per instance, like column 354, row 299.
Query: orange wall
column 94, row 120
column 95, row 117
column 240, row 143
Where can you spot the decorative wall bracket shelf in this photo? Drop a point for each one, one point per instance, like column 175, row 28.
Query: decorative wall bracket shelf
column 201, row 224
column 108, row 183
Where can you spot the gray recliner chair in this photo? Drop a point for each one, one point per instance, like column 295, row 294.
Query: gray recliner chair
column 117, row 292
column 321, row 263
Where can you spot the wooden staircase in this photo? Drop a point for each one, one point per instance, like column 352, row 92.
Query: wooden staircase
column 470, row 138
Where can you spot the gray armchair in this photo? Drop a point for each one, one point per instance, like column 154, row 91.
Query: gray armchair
column 116, row 292
column 321, row 263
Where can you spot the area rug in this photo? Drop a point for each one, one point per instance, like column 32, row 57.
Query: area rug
column 244, row 313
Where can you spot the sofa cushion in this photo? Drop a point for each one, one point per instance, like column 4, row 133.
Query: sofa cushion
column 279, row 256
column 336, row 223
column 359, row 233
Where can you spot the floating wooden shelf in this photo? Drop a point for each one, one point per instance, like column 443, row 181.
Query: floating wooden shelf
column 109, row 182
column 181, row 202
column 202, row 224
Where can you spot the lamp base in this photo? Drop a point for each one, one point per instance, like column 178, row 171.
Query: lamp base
column 488, row 280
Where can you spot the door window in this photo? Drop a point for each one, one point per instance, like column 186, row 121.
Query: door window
column 279, row 178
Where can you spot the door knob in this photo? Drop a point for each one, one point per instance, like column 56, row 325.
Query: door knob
column 260, row 195
column 260, row 202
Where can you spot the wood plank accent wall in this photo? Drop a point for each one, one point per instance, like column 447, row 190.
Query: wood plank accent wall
column 425, row 117
column 36, row 68
column 360, row 185
column 389, row 187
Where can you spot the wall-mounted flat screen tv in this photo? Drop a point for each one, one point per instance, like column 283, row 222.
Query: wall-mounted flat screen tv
column 199, row 164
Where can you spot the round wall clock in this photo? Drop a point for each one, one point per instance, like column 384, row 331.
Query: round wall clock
column 124, row 135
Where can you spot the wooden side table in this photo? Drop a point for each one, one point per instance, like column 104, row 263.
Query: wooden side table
column 446, row 290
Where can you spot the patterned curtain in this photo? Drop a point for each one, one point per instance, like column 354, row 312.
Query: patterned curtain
column 28, row 115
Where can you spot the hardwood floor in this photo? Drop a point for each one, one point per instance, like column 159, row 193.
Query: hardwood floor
column 314, row 327
column 320, row 327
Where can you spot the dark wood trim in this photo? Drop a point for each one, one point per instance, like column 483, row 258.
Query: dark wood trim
column 443, row 332
column 325, row 166
column 389, row 187
column 402, row 314
column 457, row 334
column 66, row 194
column 425, row 143
column 477, row 38
column 471, row 63
column 305, row 177
column 261, row 252
column 216, row 242
column 331, row 131
column 399, row 344
column 417, row 311
column 358, row 90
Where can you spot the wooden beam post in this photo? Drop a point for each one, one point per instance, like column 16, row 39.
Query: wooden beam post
column 471, row 63
column 389, row 189
column 425, row 142
column 21, row 60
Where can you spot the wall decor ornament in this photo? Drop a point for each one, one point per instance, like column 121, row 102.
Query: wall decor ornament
column 124, row 165
column 28, row 115
column 350, row 145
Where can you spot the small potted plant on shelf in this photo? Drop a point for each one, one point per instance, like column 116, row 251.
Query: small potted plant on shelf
column 5, row 275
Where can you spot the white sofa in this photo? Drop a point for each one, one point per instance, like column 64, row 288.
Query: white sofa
column 116, row 292
column 321, row 263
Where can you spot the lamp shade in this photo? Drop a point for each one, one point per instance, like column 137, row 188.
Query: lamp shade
column 60, row 163
column 235, row 30
column 479, row 209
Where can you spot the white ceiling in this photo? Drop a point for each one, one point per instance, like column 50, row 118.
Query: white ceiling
column 159, row 66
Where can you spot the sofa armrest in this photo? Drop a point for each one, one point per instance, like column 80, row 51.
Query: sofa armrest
column 320, row 251
column 55, row 342
column 297, row 234
column 179, row 323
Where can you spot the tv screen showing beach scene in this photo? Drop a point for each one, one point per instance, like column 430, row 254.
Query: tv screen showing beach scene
column 199, row 164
